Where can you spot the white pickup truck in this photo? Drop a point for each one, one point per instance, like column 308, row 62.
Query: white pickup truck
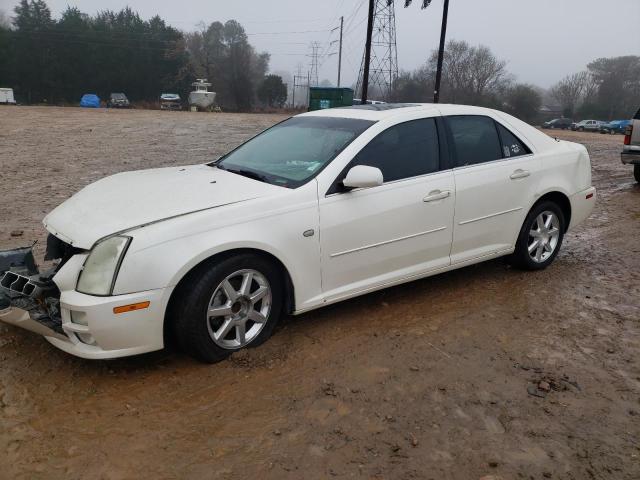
column 631, row 149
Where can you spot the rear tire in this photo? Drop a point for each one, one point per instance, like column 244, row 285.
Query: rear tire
column 540, row 237
column 636, row 172
column 225, row 305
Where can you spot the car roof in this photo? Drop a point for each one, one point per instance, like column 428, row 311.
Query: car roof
column 375, row 113
column 386, row 110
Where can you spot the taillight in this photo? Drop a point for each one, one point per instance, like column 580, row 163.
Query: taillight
column 627, row 134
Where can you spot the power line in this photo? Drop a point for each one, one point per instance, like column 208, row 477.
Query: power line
column 287, row 33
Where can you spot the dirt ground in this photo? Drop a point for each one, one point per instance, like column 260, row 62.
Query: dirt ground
column 428, row 380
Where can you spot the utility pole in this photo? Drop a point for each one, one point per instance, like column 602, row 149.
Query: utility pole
column 443, row 34
column 367, row 53
column 293, row 98
column 340, row 51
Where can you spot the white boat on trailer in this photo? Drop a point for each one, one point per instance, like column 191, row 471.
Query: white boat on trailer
column 201, row 98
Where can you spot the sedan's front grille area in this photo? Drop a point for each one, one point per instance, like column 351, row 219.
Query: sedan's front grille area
column 14, row 282
column 22, row 286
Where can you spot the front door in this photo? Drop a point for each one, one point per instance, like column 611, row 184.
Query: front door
column 376, row 236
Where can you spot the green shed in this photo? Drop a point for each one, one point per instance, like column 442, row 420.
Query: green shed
column 321, row 98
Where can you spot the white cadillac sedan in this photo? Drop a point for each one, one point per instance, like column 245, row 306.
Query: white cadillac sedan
column 319, row 208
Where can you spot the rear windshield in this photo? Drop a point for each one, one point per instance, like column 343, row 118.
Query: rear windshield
column 637, row 117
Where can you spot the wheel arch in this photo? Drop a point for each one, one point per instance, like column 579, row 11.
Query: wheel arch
column 289, row 292
column 560, row 199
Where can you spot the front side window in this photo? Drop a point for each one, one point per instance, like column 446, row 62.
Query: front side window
column 475, row 139
column 294, row 151
column 403, row 151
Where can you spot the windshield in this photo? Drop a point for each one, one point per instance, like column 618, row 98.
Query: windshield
column 291, row 153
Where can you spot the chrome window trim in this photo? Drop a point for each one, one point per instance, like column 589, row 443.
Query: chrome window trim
column 494, row 161
column 389, row 183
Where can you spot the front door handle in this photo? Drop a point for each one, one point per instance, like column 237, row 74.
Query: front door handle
column 519, row 174
column 436, row 195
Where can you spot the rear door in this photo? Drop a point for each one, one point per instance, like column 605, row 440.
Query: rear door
column 495, row 173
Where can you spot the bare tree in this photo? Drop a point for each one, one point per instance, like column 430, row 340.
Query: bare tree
column 569, row 91
column 222, row 53
column 470, row 74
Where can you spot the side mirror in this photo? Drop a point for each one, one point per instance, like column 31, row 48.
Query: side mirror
column 362, row 176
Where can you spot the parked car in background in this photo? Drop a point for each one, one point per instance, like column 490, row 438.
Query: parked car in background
column 562, row 123
column 616, row 126
column 320, row 208
column 6, row 96
column 588, row 125
column 118, row 100
column 90, row 100
column 170, row 101
column 631, row 148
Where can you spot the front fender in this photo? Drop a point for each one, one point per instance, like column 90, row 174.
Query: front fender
column 151, row 264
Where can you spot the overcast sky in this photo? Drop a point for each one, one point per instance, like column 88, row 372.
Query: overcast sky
column 542, row 40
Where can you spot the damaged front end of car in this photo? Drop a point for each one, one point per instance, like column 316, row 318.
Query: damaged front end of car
column 30, row 298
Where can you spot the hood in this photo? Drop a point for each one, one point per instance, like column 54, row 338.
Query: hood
column 132, row 199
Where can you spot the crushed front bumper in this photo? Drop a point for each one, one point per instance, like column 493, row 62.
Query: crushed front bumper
column 23, row 287
column 82, row 325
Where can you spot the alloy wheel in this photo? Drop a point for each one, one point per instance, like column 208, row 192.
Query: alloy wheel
column 239, row 309
column 543, row 236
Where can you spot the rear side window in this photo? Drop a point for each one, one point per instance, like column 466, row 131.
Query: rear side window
column 475, row 139
column 405, row 150
column 511, row 145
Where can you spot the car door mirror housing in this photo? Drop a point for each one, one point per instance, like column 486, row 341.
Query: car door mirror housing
column 363, row 176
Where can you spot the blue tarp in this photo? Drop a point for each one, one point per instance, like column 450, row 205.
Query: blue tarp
column 90, row 100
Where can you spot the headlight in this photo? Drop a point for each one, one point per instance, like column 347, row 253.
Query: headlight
column 100, row 270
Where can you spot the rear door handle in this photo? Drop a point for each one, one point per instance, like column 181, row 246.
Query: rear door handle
column 436, row 195
column 519, row 174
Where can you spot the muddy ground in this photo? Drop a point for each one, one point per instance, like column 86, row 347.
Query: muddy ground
column 428, row 380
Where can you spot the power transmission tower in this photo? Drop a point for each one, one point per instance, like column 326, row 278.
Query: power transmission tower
column 298, row 82
column 315, row 53
column 378, row 75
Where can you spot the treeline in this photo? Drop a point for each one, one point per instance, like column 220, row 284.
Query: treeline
column 47, row 60
column 609, row 89
column 56, row 61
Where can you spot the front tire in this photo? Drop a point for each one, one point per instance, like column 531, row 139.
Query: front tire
column 540, row 237
column 636, row 172
column 225, row 305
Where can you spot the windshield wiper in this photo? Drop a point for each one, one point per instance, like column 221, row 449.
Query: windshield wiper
column 246, row 173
